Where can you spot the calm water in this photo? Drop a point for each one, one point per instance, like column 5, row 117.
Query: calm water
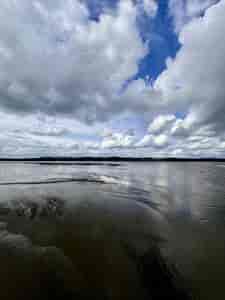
column 80, row 231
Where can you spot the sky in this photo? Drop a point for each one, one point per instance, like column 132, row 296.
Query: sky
column 112, row 77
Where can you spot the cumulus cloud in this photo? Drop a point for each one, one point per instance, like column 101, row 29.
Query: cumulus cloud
column 55, row 60
column 38, row 135
column 118, row 140
column 150, row 7
column 195, row 78
column 160, row 122
column 62, row 78
column 145, row 141
column 180, row 128
column 160, row 140
column 175, row 137
column 184, row 11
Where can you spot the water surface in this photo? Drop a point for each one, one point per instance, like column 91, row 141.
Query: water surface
column 112, row 231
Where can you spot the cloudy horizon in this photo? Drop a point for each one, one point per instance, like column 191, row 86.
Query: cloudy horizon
column 112, row 77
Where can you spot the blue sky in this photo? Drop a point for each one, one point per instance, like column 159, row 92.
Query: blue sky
column 163, row 42
column 158, row 32
column 127, row 77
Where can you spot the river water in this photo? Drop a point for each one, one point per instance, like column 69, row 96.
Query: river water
column 88, row 230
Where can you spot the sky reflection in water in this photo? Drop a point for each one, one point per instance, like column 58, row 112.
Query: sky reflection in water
column 88, row 233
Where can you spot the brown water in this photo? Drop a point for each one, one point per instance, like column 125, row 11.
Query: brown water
column 128, row 231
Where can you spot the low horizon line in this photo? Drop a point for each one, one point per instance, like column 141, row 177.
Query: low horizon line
column 105, row 158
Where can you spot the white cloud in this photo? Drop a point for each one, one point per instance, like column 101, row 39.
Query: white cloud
column 160, row 140
column 222, row 145
column 180, row 128
column 178, row 138
column 145, row 141
column 177, row 152
column 160, row 122
column 60, row 71
column 55, row 60
column 184, row 11
column 194, row 80
column 118, row 140
column 150, row 7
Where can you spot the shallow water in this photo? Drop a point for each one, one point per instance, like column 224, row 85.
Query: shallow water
column 81, row 231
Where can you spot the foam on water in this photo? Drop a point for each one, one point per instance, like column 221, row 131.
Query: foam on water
column 113, row 180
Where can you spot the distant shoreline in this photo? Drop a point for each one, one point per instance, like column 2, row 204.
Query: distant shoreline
column 109, row 159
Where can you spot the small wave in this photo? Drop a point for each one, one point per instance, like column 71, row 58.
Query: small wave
column 220, row 166
column 91, row 178
column 41, row 181
column 113, row 180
